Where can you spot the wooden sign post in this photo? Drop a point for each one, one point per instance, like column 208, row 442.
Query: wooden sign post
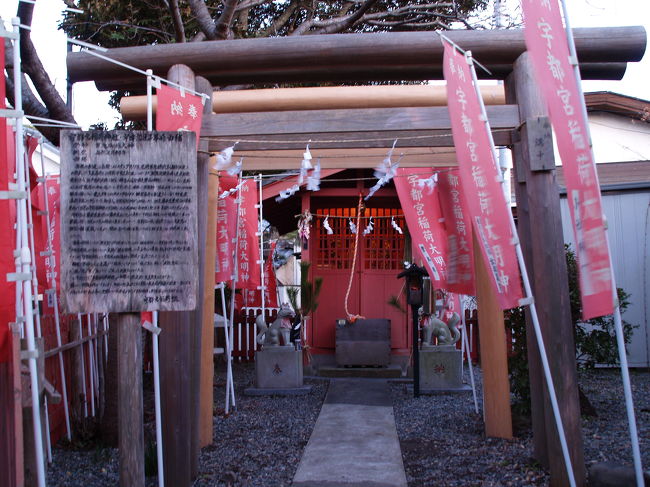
column 128, row 244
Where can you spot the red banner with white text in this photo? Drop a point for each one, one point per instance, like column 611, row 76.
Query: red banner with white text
column 248, row 248
column 226, row 228
column 50, row 263
column 253, row 298
column 460, row 249
column 478, row 177
column 423, row 217
column 7, row 236
column 549, row 52
column 178, row 110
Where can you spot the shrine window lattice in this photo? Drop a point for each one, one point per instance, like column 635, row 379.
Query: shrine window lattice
column 382, row 249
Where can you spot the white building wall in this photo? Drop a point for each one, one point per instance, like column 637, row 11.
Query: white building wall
column 628, row 217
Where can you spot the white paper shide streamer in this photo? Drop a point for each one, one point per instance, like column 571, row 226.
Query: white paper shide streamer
column 429, row 183
column 369, row 228
column 394, row 224
column 326, row 226
column 353, row 227
column 384, row 172
column 224, row 158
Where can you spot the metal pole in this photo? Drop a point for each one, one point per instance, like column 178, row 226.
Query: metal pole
column 529, row 299
column 229, row 385
column 25, row 257
column 83, row 366
column 34, row 302
column 416, row 351
column 91, row 366
column 154, row 336
column 52, row 292
column 620, row 339
column 469, row 356
column 261, row 262
column 235, row 277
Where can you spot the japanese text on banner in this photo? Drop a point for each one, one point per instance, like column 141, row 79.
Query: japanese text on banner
column 248, row 252
column 549, row 51
column 178, row 111
column 460, row 250
column 479, row 180
column 422, row 214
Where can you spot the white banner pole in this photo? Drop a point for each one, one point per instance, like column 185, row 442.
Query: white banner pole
column 26, row 261
column 154, row 336
column 620, row 339
column 529, row 300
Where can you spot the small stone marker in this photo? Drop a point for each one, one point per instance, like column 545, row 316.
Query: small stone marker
column 128, row 221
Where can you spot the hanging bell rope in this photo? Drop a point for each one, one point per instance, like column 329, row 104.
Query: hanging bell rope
column 352, row 317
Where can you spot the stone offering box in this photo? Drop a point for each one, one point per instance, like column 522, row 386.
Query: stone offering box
column 363, row 343
column 278, row 370
column 441, row 369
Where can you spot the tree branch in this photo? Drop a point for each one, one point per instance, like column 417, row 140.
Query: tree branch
column 339, row 24
column 32, row 66
column 224, row 22
column 203, row 18
column 282, row 20
column 179, row 30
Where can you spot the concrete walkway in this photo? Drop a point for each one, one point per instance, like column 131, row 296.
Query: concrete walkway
column 354, row 442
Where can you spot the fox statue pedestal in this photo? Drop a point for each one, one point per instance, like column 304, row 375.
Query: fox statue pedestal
column 441, row 370
column 278, row 371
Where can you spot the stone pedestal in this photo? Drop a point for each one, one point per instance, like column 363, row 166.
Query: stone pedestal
column 441, row 369
column 278, row 370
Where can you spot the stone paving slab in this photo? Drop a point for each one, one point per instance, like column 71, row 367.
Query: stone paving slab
column 354, row 442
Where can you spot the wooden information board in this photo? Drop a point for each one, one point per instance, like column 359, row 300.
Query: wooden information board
column 128, row 221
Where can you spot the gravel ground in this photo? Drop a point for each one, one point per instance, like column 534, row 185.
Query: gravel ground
column 442, row 439
column 443, row 443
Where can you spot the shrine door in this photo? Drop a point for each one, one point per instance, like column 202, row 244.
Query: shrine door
column 379, row 259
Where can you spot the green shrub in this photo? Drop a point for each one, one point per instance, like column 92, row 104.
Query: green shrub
column 595, row 339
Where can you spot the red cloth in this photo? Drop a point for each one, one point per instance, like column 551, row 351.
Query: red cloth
column 549, row 53
column 226, row 231
column 478, row 179
column 460, row 259
column 178, row 110
column 253, row 298
column 248, row 250
column 7, row 236
column 423, row 217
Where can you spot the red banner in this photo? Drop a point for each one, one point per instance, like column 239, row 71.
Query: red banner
column 460, row 249
column 226, row 232
column 478, row 172
column 422, row 214
column 178, row 110
column 549, row 52
column 248, row 251
column 253, row 298
column 7, row 236
column 48, row 276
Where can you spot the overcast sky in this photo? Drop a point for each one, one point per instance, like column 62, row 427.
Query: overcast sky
column 91, row 107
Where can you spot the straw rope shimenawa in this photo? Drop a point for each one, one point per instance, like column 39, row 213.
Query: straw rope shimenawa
column 352, row 317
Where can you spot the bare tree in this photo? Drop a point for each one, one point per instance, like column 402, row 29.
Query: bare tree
column 118, row 24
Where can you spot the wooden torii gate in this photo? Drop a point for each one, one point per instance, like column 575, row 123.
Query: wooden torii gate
column 603, row 52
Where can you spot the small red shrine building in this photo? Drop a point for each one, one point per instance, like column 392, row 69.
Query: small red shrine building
column 379, row 255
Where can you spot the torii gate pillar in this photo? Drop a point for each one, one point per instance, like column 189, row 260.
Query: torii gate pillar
column 540, row 232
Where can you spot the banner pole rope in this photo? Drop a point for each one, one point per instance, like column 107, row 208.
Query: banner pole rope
column 25, row 258
column 529, row 300
column 154, row 336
